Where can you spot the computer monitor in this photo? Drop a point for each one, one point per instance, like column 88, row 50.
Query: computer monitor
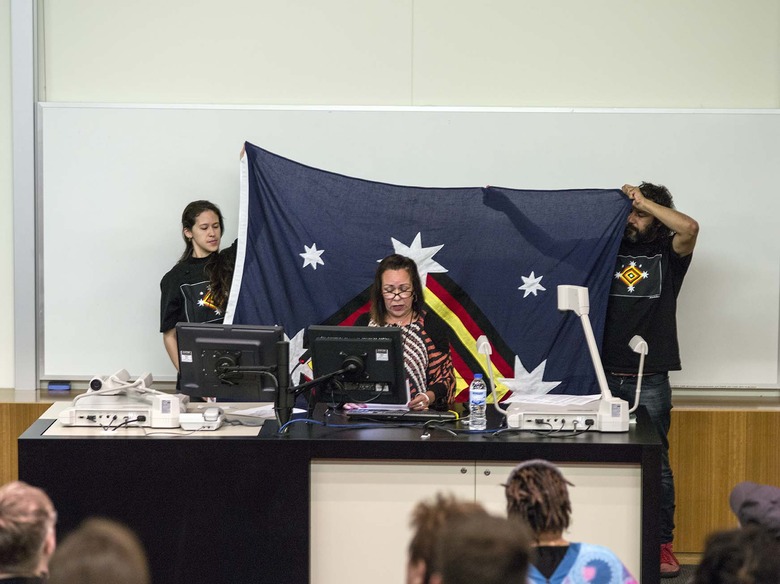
column 372, row 360
column 230, row 362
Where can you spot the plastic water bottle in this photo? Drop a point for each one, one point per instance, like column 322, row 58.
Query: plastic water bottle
column 477, row 398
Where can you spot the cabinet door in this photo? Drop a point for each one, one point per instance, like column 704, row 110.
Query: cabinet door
column 360, row 514
column 606, row 502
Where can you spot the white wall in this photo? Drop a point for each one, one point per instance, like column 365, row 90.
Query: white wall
column 605, row 53
column 600, row 53
column 6, row 204
column 155, row 158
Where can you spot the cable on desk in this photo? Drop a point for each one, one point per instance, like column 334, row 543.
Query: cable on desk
column 128, row 422
column 283, row 428
column 440, row 425
column 109, row 426
column 552, row 433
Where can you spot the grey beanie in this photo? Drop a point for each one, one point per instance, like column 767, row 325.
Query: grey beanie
column 760, row 504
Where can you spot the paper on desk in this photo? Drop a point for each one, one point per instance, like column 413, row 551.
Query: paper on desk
column 266, row 411
column 553, row 400
column 373, row 406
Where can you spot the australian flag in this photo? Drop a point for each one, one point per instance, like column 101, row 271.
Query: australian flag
column 489, row 258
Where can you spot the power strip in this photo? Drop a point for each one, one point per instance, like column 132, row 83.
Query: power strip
column 162, row 412
column 106, row 417
column 550, row 421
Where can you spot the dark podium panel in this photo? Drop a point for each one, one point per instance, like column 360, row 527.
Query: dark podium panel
column 237, row 509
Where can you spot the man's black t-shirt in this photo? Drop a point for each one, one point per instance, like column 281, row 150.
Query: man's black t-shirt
column 643, row 301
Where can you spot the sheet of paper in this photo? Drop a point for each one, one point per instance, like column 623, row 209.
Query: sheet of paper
column 373, row 406
column 553, row 400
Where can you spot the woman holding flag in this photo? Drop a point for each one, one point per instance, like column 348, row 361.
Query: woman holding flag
column 196, row 289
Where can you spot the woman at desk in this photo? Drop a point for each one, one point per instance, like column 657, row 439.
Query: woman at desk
column 196, row 288
column 397, row 300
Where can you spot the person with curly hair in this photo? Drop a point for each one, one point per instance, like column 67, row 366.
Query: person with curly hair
column 651, row 264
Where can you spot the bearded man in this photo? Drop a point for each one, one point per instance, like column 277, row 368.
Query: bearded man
column 653, row 259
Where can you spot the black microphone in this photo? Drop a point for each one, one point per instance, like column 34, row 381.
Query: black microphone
column 283, row 404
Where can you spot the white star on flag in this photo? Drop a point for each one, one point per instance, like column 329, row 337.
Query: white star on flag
column 531, row 285
column 422, row 256
column 296, row 351
column 312, row 256
column 525, row 383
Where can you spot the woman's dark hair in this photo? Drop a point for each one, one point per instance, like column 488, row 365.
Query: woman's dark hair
column 536, row 493
column 750, row 555
column 219, row 267
column 219, row 270
column 394, row 262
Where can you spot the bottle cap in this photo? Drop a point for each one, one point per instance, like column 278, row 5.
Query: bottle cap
column 477, row 376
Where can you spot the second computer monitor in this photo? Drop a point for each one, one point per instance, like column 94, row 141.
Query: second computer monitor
column 375, row 353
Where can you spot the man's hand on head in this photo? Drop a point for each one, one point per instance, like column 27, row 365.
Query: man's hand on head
column 636, row 196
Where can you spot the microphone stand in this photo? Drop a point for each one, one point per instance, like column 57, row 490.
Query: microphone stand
column 286, row 393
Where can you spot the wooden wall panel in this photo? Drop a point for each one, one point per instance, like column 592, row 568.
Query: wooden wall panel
column 762, row 453
column 711, row 451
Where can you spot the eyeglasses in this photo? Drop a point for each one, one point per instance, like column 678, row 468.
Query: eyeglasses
column 403, row 292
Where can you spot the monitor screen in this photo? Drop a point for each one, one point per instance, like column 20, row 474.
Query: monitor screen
column 210, row 355
column 377, row 354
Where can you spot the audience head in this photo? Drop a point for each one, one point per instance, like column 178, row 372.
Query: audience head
column 536, row 493
column 100, row 550
column 759, row 504
column 428, row 518
column 750, row 555
column 27, row 538
column 393, row 267
column 481, row 549
column 189, row 218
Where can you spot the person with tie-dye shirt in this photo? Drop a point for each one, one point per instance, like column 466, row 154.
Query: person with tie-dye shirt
column 537, row 494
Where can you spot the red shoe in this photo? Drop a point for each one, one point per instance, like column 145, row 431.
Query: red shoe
column 670, row 567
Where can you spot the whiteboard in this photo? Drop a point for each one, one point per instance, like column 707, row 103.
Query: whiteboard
column 113, row 180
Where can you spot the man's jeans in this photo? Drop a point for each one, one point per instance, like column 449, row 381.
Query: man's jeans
column 656, row 397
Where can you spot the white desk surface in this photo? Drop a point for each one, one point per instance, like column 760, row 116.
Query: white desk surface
column 57, row 429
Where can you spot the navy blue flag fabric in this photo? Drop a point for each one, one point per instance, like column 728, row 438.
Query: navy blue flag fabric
column 490, row 259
